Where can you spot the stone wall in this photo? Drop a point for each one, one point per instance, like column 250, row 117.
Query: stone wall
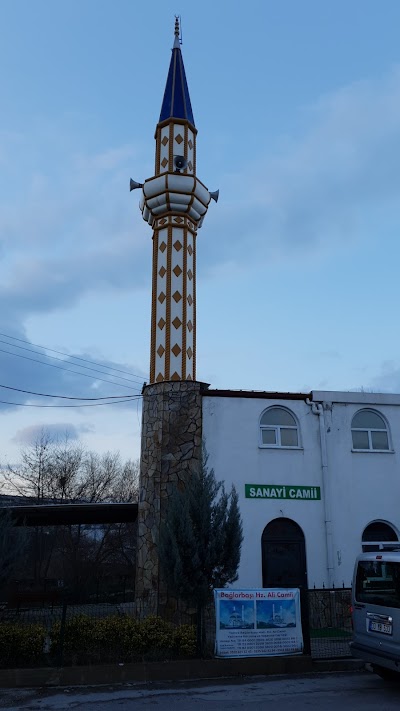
column 170, row 453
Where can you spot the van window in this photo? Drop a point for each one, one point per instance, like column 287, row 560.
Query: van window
column 378, row 583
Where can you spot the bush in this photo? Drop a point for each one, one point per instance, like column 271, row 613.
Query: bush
column 79, row 640
column 21, row 645
column 185, row 641
column 121, row 639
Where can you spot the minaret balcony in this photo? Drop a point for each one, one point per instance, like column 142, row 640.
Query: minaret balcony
column 177, row 194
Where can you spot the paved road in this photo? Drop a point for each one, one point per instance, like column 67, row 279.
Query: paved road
column 345, row 692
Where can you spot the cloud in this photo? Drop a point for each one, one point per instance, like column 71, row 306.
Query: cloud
column 318, row 189
column 56, row 431
column 22, row 365
column 388, row 379
column 69, row 227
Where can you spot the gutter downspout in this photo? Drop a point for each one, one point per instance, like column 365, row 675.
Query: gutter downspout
column 317, row 408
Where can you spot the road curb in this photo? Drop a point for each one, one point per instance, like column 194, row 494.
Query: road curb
column 184, row 670
column 338, row 665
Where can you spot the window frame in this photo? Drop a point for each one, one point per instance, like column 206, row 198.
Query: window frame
column 369, row 431
column 277, row 429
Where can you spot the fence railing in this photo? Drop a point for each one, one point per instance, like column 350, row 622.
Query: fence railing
column 326, row 621
column 329, row 622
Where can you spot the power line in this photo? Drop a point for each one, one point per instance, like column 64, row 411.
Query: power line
column 95, row 370
column 68, row 355
column 59, row 367
column 65, row 397
column 97, row 404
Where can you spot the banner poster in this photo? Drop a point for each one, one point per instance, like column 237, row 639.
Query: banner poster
column 258, row 623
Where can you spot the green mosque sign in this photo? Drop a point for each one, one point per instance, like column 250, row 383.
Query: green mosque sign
column 274, row 491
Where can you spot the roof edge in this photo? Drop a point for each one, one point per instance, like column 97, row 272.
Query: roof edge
column 256, row 394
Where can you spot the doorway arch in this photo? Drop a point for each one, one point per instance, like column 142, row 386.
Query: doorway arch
column 283, row 551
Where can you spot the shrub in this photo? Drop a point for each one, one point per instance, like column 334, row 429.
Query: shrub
column 79, row 640
column 185, row 641
column 21, row 645
column 122, row 639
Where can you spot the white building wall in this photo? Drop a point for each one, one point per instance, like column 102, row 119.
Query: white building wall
column 362, row 487
column 365, row 486
column 231, row 434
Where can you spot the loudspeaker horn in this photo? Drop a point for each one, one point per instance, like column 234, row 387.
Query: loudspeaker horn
column 215, row 195
column 133, row 185
column 180, row 163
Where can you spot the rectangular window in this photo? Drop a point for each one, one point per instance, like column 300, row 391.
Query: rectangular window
column 378, row 583
column 379, row 440
column 268, row 436
column 288, row 437
column 360, row 439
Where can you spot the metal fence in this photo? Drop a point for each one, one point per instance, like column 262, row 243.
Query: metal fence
column 328, row 617
column 326, row 620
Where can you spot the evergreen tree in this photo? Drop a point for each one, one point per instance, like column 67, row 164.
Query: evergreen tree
column 200, row 540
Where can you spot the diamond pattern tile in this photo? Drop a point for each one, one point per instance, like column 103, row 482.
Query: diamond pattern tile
column 177, row 270
column 190, row 326
column 164, row 141
column 177, row 296
column 190, row 249
column 189, row 377
column 162, row 297
column 190, row 165
column 176, row 350
column 190, row 274
column 175, row 376
column 178, row 220
column 177, row 245
column 160, row 350
column 162, row 271
column 163, row 247
column 159, row 378
column 190, row 300
column 177, row 322
column 190, row 143
column 163, row 221
column 164, row 162
column 189, row 353
column 179, row 138
column 161, row 324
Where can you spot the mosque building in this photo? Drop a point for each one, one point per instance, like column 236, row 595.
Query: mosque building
column 317, row 473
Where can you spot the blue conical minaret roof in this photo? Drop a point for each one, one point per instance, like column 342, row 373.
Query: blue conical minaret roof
column 176, row 101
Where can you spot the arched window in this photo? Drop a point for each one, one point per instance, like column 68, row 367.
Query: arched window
column 278, row 428
column 376, row 533
column 369, row 431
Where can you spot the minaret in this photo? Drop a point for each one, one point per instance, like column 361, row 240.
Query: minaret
column 174, row 202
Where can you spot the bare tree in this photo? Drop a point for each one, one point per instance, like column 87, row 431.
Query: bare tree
column 64, row 472
column 31, row 477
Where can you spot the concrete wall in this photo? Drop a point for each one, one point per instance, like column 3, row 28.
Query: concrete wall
column 360, row 487
column 231, row 434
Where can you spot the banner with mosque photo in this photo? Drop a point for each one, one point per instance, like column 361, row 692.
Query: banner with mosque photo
column 257, row 623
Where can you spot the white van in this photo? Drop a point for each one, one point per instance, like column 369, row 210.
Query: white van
column 376, row 610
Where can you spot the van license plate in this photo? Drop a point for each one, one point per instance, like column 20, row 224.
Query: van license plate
column 380, row 627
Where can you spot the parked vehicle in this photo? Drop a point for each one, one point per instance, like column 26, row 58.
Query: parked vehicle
column 376, row 610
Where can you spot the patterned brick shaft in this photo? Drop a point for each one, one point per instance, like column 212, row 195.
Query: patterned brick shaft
column 170, row 453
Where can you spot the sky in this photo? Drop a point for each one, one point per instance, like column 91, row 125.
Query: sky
column 297, row 105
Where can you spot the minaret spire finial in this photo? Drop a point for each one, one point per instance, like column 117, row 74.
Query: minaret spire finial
column 177, row 32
